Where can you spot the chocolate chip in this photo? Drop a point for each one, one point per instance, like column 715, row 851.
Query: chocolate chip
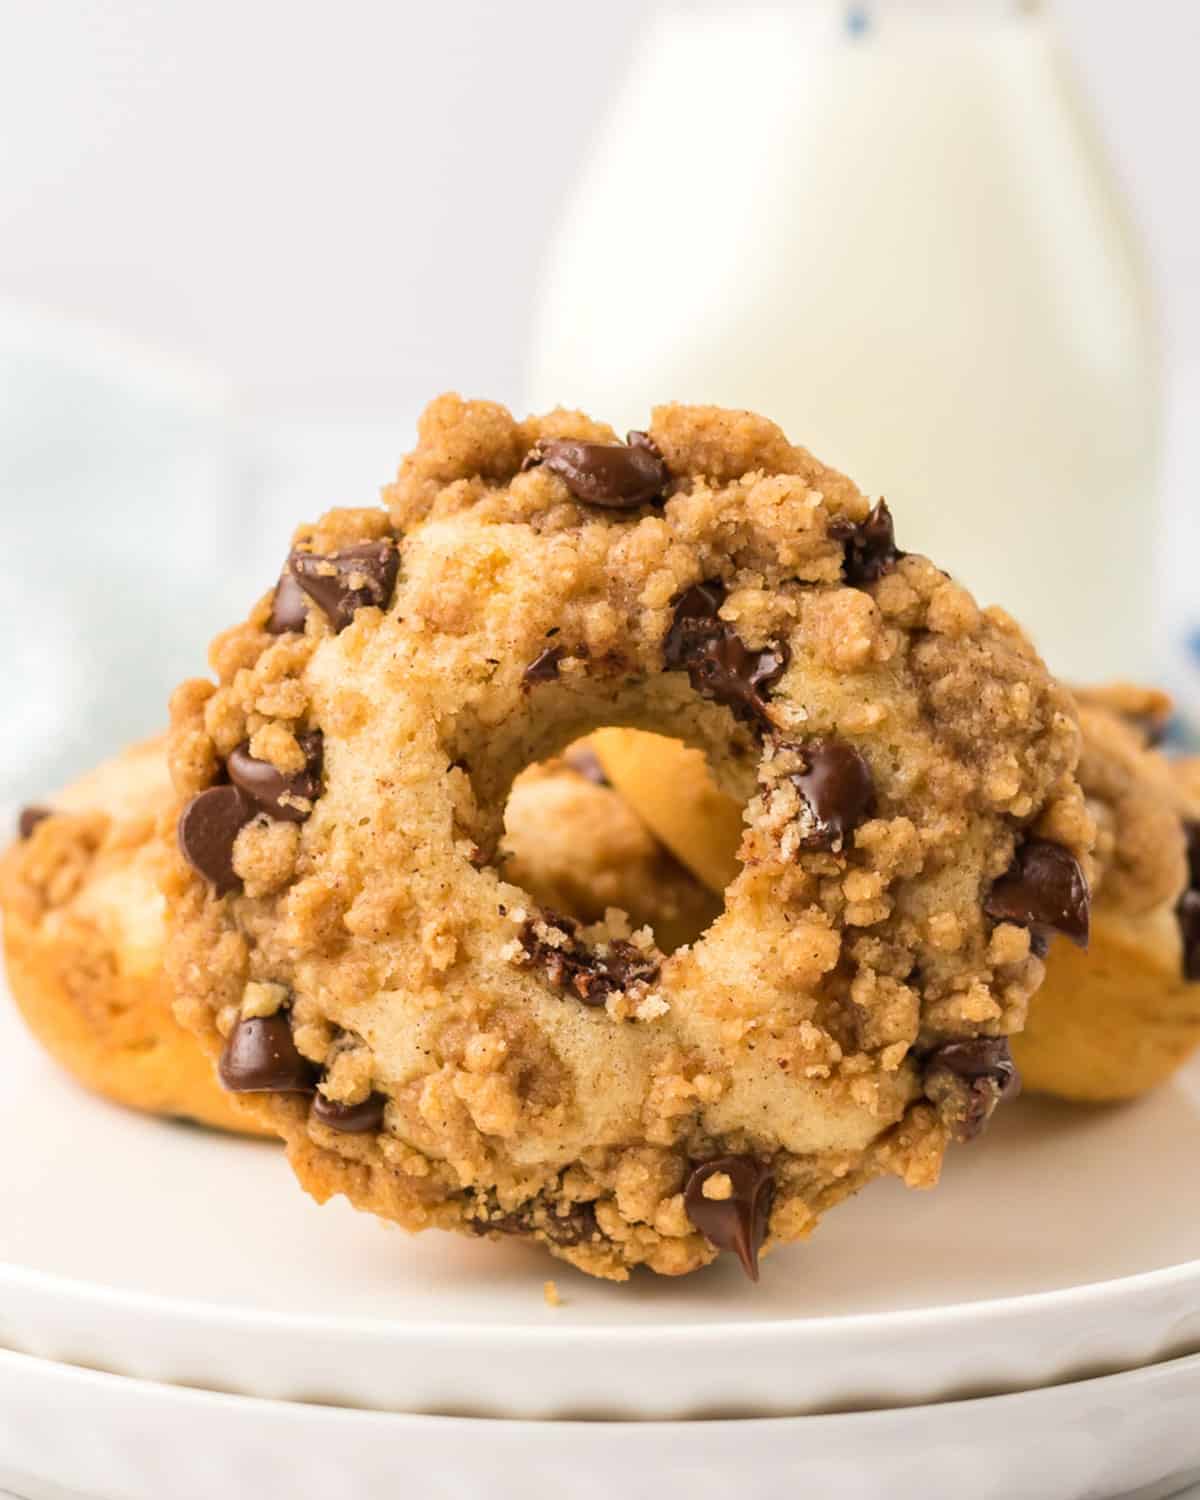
column 966, row 1081
column 695, row 622
column 575, row 1227
column 1188, row 915
column 584, row 761
column 277, row 792
column 344, row 582
column 208, row 826
column 364, row 1118
column 1154, row 724
column 838, row 789
column 289, row 608
column 1188, row 910
column 644, row 440
column 1153, row 729
column 29, row 818
column 739, row 1222
column 572, row 966
column 260, row 1057
column 871, row 549
column 730, row 674
column 572, row 1228
column 1045, row 890
column 618, row 476
column 719, row 665
column 1191, row 834
column 978, row 1057
column 544, row 666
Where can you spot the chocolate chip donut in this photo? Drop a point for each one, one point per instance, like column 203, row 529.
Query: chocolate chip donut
column 84, row 936
column 445, row 1051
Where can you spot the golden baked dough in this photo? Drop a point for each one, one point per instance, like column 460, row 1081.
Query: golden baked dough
column 671, row 790
column 1119, row 1020
column 83, row 941
column 1116, row 1021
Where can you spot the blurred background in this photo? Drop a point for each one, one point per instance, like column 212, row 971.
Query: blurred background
column 953, row 247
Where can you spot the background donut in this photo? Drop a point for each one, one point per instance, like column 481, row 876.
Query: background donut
column 84, row 936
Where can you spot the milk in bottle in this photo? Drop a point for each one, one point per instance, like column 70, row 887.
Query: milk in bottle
column 891, row 228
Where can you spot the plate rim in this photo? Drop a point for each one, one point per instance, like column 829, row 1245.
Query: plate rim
column 382, row 1329
column 648, row 1428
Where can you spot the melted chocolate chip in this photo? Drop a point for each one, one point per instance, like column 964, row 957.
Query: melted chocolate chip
column 978, row 1057
column 1153, row 729
column 730, row 674
column 839, row 790
column 1191, row 834
column 575, row 1227
column 871, row 549
column 1188, row 915
column 344, row 582
column 617, row 476
column 544, row 666
column 29, row 818
column 364, row 1118
column 695, row 622
column 968, row 1079
column 1188, row 910
column 582, row 971
column 584, row 761
column 260, row 1057
column 277, row 792
column 1045, row 890
column 289, row 609
column 208, row 826
column 739, row 1222
column 719, row 665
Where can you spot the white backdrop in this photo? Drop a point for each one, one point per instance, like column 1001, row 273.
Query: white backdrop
column 322, row 214
column 341, row 206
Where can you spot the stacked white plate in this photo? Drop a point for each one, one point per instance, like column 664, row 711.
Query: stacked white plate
column 178, row 1322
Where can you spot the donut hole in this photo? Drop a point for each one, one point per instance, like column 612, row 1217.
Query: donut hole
column 577, row 847
column 569, row 857
column 492, row 752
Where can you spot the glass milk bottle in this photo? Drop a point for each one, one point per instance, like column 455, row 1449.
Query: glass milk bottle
column 891, row 228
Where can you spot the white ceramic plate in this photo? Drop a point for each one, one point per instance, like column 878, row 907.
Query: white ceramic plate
column 1064, row 1244
column 67, row 1433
